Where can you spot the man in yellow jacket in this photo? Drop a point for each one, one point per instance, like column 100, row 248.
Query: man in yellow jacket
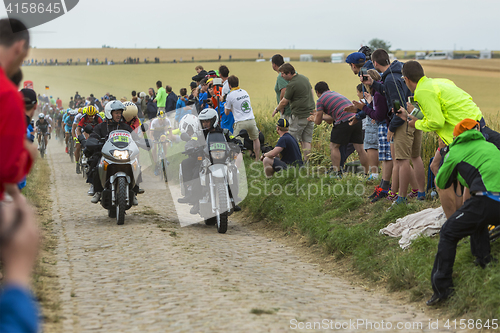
column 443, row 106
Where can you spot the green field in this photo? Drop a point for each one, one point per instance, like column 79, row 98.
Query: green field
column 257, row 78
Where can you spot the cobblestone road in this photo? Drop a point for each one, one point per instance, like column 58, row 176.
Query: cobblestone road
column 151, row 275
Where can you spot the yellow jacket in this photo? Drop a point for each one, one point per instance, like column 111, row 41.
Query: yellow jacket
column 444, row 105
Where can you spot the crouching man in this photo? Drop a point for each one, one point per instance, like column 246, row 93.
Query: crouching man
column 287, row 146
column 473, row 162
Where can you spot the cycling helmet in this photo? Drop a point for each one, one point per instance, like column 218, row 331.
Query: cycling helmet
column 161, row 114
column 91, row 110
column 80, row 110
column 209, row 114
column 130, row 111
column 102, row 115
column 189, row 123
column 113, row 106
column 41, row 116
column 73, row 112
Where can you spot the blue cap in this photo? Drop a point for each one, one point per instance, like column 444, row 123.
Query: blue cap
column 356, row 58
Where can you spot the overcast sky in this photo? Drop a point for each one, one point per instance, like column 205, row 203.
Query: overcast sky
column 273, row 24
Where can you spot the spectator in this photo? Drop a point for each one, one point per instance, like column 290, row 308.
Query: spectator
column 377, row 110
column 71, row 103
column 203, row 94
column 474, row 163
column 171, row 99
column 140, row 115
column 151, row 108
column 370, row 129
column 287, row 146
column 143, row 104
column 18, row 155
column 443, row 106
column 224, row 75
column 151, row 93
column 59, row 103
column 238, row 102
column 226, row 120
column 299, row 95
column 330, row 108
column 407, row 141
column 180, row 108
column 280, row 86
column 161, row 97
column 201, row 74
column 134, row 93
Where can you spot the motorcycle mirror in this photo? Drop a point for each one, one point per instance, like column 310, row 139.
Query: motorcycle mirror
column 185, row 137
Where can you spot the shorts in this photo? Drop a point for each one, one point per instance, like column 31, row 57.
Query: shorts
column 371, row 136
column 279, row 165
column 301, row 129
column 250, row 126
column 286, row 117
column 407, row 142
column 157, row 134
column 344, row 133
column 384, row 147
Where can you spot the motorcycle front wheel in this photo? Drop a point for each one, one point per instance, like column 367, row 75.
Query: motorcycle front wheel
column 121, row 200
column 222, row 201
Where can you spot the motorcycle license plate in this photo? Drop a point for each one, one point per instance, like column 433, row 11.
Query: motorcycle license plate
column 218, row 146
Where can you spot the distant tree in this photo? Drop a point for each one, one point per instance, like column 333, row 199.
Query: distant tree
column 376, row 43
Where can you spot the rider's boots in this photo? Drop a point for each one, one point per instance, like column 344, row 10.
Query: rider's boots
column 78, row 170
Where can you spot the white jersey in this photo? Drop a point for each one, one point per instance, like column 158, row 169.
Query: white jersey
column 238, row 102
column 156, row 124
column 78, row 117
column 48, row 120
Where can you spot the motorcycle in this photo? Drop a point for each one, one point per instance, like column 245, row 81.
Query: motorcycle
column 218, row 177
column 118, row 170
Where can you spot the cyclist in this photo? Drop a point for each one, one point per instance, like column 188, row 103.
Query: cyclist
column 90, row 118
column 76, row 121
column 42, row 128
column 68, row 123
column 160, row 126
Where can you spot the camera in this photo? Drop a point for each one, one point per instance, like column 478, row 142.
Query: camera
column 363, row 72
column 397, row 105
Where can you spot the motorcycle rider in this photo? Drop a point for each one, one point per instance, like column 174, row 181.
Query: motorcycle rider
column 209, row 120
column 130, row 115
column 89, row 118
column 113, row 111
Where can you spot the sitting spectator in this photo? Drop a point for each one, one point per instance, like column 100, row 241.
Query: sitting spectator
column 287, row 146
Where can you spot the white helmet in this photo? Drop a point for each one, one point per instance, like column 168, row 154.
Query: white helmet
column 209, row 114
column 189, row 123
column 112, row 106
column 130, row 111
column 41, row 116
column 73, row 112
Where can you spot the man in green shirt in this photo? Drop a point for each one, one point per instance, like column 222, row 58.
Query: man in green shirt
column 161, row 97
column 474, row 163
column 280, row 87
column 299, row 94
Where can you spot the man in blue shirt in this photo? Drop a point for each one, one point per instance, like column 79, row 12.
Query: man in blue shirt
column 287, row 146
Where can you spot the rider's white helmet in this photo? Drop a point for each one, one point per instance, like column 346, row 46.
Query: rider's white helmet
column 130, row 111
column 41, row 116
column 189, row 123
column 209, row 114
column 112, row 106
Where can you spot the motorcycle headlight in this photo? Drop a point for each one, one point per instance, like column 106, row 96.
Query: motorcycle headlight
column 121, row 154
column 218, row 154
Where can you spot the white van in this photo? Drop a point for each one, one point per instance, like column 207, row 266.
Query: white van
column 437, row 56
column 419, row 55
column 337, row 57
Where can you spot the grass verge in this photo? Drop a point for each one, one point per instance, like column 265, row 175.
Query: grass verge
column 45, row 279
column 336, row 215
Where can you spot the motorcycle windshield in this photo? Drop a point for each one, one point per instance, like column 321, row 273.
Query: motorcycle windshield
column 120, row 139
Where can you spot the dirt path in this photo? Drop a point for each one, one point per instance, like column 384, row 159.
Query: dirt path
column 151, row 275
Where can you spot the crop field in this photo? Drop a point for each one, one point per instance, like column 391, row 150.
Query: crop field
column 480, row 78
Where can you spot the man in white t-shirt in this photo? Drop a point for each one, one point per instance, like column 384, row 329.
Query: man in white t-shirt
column 238, row 102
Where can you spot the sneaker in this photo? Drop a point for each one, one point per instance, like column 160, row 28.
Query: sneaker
column 380, row 195
column 135, row 202
column 413, row 194
column 186, row 199
column 375, row 192
column 391, row 196
column 91, row 190
column 78, row 170
column 96, row 197
column 141, row 191
column 195, row 209
column 421, row 196
column 398, row 201
column 66, row 149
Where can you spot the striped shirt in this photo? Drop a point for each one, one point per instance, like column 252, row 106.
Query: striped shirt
column 333, row 104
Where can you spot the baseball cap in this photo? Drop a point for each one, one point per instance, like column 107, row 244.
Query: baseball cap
column 29, row 96
column 464, row 125
column 283, row 123
column 356, row 58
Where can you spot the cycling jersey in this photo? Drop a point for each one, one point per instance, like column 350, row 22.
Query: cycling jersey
column 68, row 123
column 78, row 117
column 42, row 127
column 84, row 121
column 159, row 127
